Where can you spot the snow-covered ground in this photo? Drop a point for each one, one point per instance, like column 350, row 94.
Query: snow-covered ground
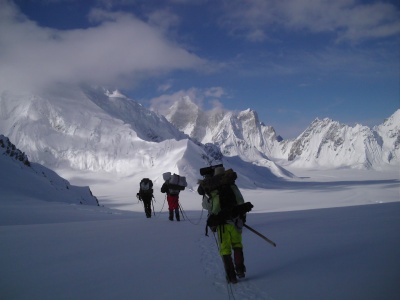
column 310, row 189
column 337, row 235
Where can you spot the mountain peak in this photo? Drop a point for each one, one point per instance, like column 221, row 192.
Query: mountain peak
column 249, row 114
column 184, row 114
column 389, row 132
column 93, row 129
column 236, row 134
column 330, row 144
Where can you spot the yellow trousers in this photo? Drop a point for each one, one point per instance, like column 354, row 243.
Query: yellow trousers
column 228, row 237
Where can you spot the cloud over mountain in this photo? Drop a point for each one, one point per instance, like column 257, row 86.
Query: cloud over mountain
column 117, row 47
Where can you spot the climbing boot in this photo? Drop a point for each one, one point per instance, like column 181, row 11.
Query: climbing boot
column 239, row 262
column 229, row 269
column 178, row 218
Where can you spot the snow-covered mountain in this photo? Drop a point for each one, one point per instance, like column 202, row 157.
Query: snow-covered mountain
column 389, row 132
column 324, row 144
column 236, row 134
column 95, row 130
column 25, row 180
column 92, row 129
column 233, row 132
column 83, row 128
column 329, row 144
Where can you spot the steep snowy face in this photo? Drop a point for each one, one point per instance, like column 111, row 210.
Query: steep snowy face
column 235, row 133
column 329, row 144
column 148, row 125
column 190, row 119
column 389, row 133
column 240, row 134
column 85, row 129
column 21, row 178
column 257, row 134
column 184, row 115
column 9, row 149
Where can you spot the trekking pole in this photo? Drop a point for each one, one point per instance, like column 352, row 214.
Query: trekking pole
column 260, row 235
column 138, row 197
column 180, row 208
column 165, row 198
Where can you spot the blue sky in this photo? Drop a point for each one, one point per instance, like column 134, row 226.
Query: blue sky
column 291, row 61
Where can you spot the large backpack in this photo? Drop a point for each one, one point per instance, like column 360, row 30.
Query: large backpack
column 173, row 191
column 146, row 187
column 230, row 209
column 227, row 201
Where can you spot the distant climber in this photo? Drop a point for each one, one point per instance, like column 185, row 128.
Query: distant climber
column 172, row 186
column 146, row 195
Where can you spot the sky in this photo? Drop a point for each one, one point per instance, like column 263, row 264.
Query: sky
column 290, row 61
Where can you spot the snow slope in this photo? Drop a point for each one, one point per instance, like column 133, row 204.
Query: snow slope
column 54, row 250
column 26, row 180
column 125, row 256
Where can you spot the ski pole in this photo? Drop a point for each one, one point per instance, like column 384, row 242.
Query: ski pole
column 260, row 235
column 180, row 208
column 154, row 212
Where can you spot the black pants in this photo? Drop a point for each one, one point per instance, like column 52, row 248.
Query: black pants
column 147, row 206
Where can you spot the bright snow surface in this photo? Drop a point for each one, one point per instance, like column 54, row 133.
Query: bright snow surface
column 337, row 235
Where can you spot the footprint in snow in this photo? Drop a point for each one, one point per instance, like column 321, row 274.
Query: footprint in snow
column 214, row 269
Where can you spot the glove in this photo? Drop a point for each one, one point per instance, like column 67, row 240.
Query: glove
column 242, row 209
column 213, row 221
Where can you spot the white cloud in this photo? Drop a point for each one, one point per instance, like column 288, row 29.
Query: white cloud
column 164, row 19
column 247, row 18
column 201, row 97
column 164, row 87
column 350, row 20
column 118, row 47
column 162, row 103
column 215, row 92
